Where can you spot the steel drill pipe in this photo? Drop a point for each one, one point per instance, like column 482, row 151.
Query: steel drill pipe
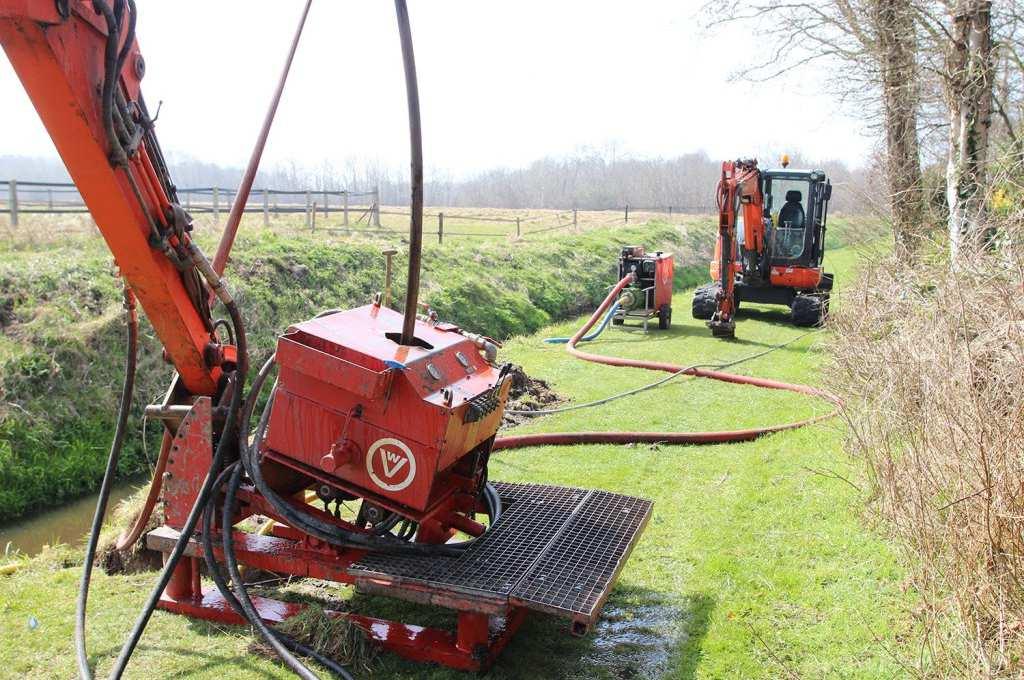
column 227, row 239
column 412, row 91
column 719, row 437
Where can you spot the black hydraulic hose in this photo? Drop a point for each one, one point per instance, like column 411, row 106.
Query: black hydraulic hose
column 412, row 93
column 127, row 389
column 229, row 438
column 110, row 77
column 240, row 593
column 129, row 36
column 218, row 578
column 273, row 638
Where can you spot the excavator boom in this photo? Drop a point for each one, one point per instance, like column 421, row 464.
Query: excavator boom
column 82, row 70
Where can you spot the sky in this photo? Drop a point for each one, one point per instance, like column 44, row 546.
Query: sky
column 501, row 84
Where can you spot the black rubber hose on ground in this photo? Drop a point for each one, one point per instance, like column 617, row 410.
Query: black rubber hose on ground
column 127, row 389
column 228, row 439
column 218, row 578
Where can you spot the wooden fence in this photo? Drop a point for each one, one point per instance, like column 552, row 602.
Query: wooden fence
column 359, row 211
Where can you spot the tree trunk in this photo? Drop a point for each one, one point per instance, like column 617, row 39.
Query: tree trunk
column 897, row 49
column 969, row 82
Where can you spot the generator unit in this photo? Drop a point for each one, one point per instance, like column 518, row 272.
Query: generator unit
column 650, row 294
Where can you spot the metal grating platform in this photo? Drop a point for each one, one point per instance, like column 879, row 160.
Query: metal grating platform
column 555, row 549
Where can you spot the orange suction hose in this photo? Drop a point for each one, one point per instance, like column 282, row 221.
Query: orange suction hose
column 723, row 436
column 129, row 538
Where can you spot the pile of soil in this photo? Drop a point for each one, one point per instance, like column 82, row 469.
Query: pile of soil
column 134, row 558
column 528, row 394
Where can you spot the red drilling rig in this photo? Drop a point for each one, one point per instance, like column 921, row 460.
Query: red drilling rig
column 371, row 409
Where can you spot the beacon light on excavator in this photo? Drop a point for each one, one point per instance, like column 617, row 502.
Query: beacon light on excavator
column 393, row 414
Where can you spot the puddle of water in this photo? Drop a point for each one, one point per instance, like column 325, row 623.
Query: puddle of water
column 637, row 641
column 67, row 524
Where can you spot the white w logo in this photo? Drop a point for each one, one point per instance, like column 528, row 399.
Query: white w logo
column 393, row 462
column 395, row 468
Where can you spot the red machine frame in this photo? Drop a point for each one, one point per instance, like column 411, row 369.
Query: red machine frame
column 473, row 646
column 349, row 390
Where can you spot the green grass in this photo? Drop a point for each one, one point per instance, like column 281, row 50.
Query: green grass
column 757, row 562
column 62, row 335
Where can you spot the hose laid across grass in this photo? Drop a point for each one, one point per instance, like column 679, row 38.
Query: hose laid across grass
column 718, row 437
column 587, row 338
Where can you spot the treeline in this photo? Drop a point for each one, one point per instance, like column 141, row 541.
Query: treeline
column 589, row 180
column 940, row 80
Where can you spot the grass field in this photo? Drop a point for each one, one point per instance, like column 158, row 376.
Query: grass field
column 61, row 318
column 464, row 224
column 461, row 225
column 757, row 562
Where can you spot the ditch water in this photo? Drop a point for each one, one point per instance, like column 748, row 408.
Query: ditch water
column 68, row 523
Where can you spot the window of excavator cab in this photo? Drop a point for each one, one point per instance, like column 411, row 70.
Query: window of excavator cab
column 787, row 201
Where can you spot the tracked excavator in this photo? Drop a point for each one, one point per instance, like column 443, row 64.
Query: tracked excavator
column 770, row 245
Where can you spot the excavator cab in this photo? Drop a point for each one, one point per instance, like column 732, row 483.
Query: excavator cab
column 795, row 211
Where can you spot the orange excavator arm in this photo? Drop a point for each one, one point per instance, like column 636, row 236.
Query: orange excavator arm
column 739, row 191
column 81, row 67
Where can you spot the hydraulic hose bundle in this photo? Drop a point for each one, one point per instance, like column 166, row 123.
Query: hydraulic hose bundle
column 567, row 438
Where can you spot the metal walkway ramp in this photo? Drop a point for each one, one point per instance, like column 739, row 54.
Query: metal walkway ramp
column 555, row 549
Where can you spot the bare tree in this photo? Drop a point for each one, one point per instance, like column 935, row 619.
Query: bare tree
column 968, row 79
column 875, row 44
column 895, row 49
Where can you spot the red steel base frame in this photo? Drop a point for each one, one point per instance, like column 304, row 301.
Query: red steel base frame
column 475, row 644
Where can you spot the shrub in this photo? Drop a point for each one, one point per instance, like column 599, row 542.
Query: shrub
column 929, row 360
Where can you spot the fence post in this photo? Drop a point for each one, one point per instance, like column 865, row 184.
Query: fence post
column 12, row 201
column 518, row 232
column 216, row 205
column 376, row 202
column 440, row 227
column 312, row 217
column 575, row 223
column 344, row 209
column 266, row 208
column 309, row 199
column 670, row 212
column 387, row 275
column 325, row 203
column 627, row 213
column 188, row 200
column 49, row 198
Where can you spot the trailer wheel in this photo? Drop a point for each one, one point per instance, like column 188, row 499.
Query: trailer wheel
column 664, row 317
column 704, row 303
column 808, row 310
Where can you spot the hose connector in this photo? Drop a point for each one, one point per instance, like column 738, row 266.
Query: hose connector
column 215, row 281
column 485, row 345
